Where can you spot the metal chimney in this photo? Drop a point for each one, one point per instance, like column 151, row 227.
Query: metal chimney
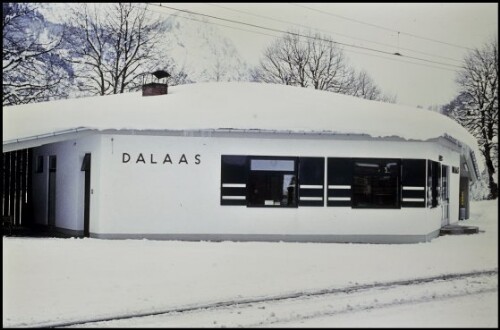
column 156, row 88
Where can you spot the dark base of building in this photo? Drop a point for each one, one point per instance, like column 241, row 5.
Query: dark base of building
column 458, row 230
column 36, row 230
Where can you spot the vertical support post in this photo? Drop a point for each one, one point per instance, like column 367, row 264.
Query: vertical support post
column 12, row 187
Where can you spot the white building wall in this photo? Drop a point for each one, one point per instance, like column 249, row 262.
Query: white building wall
column 69, row 182
column 137, row 198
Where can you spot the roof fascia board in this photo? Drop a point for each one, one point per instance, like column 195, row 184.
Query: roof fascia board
column 39, row 140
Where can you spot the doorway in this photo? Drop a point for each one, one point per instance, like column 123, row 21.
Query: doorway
column 445, row 196
column 86, row 206
column 51, row 207
column 463, row 199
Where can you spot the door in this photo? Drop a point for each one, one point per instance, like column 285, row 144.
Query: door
column 86, row 205
column 445, row 200
column 51, row 207
column 463, row 201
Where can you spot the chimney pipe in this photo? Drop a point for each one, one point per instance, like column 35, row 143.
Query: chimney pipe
column 156, row 88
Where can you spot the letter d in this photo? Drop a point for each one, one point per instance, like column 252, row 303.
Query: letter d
column 125, row 157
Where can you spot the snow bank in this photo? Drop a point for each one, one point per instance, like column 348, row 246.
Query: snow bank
column 48, row 280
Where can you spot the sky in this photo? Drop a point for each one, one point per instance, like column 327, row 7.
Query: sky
column 405, row 28
column 433, row 38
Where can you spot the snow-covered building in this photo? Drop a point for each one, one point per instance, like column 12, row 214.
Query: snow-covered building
column 237, row 161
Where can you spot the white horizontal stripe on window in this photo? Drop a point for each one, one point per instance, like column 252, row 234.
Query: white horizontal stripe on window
column 413, row 199
column 234, row 197
column 311, row 198
column 234, row 185
column 338, row 187
column 310, row 186
column 339, row 198
column 413, row 188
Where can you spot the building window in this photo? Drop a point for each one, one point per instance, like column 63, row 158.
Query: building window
column 234, row 176
column 39, row 164
column 376, row 183
column 433, row 183
column 339, row 182
column 52, row 163
column 272, row 182
column 413, row 182
column 311, row 181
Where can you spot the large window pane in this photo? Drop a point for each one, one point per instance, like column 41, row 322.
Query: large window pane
column 272, row 189
column 272, row 182
column 234, row 175
column 376, row 183
column 413, row 180
column 340, row 180
column 311, row 181
column 433, row 183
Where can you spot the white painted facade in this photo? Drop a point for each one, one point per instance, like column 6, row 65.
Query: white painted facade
column 202, row 122
column 69, row 181
column 134, row 199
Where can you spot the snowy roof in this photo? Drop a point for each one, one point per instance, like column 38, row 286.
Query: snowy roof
column 233, row 105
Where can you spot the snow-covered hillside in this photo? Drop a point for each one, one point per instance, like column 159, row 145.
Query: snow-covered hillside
column 202, row 50
column 197, row 47
column 49, row 281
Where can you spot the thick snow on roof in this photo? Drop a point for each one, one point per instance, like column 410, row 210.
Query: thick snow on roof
column 232, row 105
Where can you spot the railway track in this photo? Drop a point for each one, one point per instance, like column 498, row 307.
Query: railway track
column 256, row 303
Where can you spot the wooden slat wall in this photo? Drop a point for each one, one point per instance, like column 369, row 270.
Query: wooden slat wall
column 16, row 185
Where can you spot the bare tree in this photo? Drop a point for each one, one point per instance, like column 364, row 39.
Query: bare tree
column 113, row 45
column 218, row 70
column 365, row 87
column 314, row 61
column 388, row 98
column 32, row 72
column 327, row 67
column 285, row 62
column 477, row 109
column 87, row 43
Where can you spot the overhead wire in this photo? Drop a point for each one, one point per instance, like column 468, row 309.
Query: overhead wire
column 302, row 41
column 218, row 24
column 381, row 27
column 304, row 36
column 331, row 32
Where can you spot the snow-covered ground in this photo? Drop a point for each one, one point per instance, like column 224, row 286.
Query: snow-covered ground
column 49, row 281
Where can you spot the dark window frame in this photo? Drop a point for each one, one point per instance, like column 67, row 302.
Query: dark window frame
column 39, row 164
column 238, row 173
column 52, row 163
column 436, row 184
column 268, row 172
column 334, row 166
column 317, row 176
column 434, row 177
column 413, row 174
column 398, row 185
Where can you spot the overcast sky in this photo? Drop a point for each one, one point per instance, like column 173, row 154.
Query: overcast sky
column 375, row 26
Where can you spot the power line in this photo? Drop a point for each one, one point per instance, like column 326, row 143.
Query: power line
column 302, row 41
column 275, row 36
column 218, row 24
column 340, row 34
column 391, row 59
column 305, row 36
column 381, row 27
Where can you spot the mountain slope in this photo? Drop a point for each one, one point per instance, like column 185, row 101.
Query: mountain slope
column 202, row 51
